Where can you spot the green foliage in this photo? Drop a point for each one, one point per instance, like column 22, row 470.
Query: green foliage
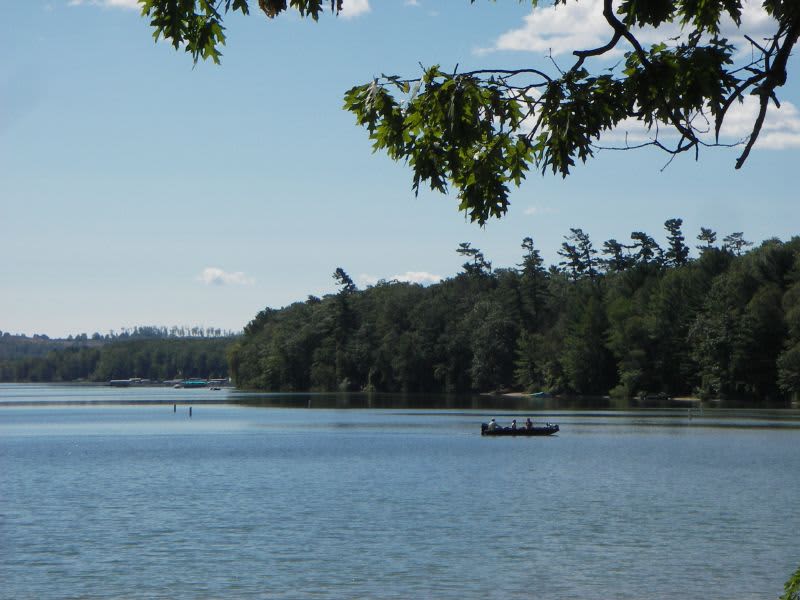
column 722, row 325
column 646, row 250
column 735, row 243
column 586, row 360
column 741, row 331
column 678, row 252
column 450, row 128
column 480, row 132
column 196, row 25
column 344, row 281
column 579, row 256
column 156, row 359
column 492, row 343
column 791, row 589
column 618, row 259
column 476, row 262
column 708, row 236
column 789, row 360
column 673, row 85
column 533, row 287
column 647, row 12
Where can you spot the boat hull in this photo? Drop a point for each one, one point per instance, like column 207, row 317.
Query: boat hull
column 548, row 429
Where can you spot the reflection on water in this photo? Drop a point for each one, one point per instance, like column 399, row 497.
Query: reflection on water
column 680, row 411
column 352, row 400
column 495, row 402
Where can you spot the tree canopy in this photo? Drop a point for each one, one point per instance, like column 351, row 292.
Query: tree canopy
column 628, row 323
column 100, row 359
column 481, row 131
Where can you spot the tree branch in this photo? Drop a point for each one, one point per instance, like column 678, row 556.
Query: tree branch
column 584, row 54
column 775, row 76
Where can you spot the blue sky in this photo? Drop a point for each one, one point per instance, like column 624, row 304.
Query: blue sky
column 136, row 189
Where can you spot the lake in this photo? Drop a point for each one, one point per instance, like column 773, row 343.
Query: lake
column 119, row 493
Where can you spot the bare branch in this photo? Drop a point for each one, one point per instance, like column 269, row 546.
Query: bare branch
column 774, row 76
column 584, row 54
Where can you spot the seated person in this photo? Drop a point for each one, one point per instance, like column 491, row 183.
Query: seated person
column 492, row 425
column 529, row 424
column 514, row 425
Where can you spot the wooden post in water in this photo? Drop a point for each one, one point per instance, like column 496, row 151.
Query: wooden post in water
column 174, row 408
column 190, row 412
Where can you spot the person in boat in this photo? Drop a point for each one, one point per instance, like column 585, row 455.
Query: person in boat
column 513, row 424
column 492, row 425
column 529, row 424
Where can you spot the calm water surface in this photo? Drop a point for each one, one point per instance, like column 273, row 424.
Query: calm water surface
column 109, row 493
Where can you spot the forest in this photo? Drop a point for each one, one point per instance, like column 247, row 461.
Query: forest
column 147, row 352
column 627, row 319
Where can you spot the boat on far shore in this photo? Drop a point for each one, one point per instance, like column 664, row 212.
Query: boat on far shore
column 546, row 429
column 191, row 383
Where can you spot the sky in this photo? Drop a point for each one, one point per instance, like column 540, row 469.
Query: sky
column 139, row 189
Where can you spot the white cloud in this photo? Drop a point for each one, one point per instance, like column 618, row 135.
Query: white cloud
column 411, row 2
column 781, row 127
column 581, row 25
column 216, row 276
column 420, row 277
column 355, row 8
column 560, row 29
column 129, row 4
column 539, row 210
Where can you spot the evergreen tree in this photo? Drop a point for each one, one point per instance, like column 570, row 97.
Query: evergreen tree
column 646, row 249
column 533, row 286
column 735, row 243
column 708, row 236
column 579, row 255
column 618, row 258
column 677, row 254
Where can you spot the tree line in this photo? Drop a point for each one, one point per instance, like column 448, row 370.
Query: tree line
column 137, row 332
column 628, row 319
column 157, row 359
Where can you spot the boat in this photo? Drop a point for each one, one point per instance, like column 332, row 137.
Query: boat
column 191, row 383
column 546, row 429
